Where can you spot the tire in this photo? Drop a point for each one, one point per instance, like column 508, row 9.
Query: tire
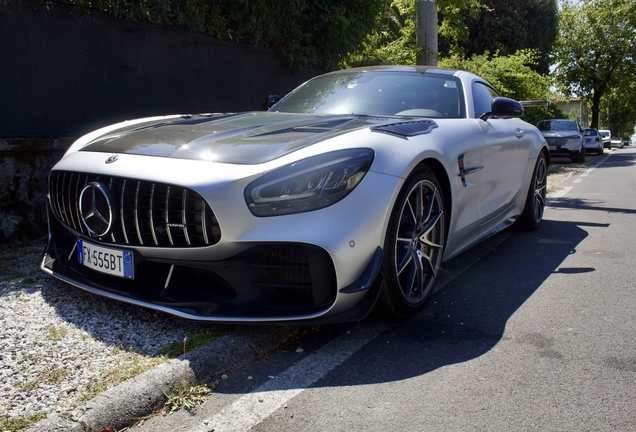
column 579, row 158
column 414, row 245
column 532, row 215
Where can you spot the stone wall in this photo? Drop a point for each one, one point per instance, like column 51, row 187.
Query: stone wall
column 24, row 168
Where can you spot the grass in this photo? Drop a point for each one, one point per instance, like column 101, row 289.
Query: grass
column 131, row 365
column 191, row 342
column 53, row 376
column 19, row 423
column 185, row 396
column 57, row 333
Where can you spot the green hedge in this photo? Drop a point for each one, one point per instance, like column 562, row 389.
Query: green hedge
column 311, row 34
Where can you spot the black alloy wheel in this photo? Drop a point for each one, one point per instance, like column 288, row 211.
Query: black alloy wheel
column 414, row 245
column 532, row 215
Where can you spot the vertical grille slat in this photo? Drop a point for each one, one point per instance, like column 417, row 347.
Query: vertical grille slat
column 122, row 216
column 184, row 217
column 71, row 216
column 167, row 217
column 150, row 214
column 136, row 214
column 204, row 228
column 76, row 192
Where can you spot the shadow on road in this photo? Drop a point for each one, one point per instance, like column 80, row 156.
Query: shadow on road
column 468, row 316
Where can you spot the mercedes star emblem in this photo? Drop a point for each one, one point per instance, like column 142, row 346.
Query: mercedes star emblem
column 112, row 159
column 96, row 209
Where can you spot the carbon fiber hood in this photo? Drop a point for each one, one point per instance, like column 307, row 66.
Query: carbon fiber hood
column 245, row 138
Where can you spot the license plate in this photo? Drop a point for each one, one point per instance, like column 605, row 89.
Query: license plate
column 553, row 148
column 106, row 260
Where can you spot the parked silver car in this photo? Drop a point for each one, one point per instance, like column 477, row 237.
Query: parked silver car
column 352, row 189
column 565, row 138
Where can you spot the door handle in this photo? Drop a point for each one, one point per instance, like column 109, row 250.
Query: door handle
column 519, row 133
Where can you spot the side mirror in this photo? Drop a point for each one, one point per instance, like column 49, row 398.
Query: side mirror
column 270, row 101
column 503, row 107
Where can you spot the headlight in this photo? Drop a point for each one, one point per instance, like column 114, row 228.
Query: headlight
column 309, row 184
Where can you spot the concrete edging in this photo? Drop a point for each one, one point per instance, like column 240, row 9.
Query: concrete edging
column 122, row 405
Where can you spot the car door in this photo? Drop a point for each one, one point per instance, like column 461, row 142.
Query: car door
column 506, row 153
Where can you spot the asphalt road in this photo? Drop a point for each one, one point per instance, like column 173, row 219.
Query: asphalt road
column 527, row 331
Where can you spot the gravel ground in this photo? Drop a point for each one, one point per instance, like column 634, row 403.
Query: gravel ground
column 59, row 344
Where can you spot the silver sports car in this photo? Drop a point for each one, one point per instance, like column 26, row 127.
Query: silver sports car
column 350, row 191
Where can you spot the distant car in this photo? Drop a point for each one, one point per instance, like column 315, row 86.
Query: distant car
column 617, row 142
column 564, row 137
column 353, row 188
column 607, row 138
column 593, row 141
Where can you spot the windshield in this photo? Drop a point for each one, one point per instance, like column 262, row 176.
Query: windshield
column 378, row 93
column 589, row 132
column 557, row 125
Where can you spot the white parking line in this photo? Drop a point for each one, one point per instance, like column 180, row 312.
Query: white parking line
column 561, row 193
column 254, row 407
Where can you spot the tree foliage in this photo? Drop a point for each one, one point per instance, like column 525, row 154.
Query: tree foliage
column 506, row 26
column 595, row 52
column 394, row 35
column 617, row 109
column 310, row 33
column 513, row 75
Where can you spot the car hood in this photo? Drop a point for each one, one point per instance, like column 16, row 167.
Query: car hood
column 245, row 138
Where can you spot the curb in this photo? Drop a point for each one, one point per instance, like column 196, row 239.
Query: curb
column 133, row 399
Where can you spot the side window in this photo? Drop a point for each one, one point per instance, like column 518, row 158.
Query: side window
column 482, row 97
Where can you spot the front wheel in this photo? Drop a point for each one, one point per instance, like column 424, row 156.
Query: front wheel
column 414, row 245
column 579, row 158
column 532, row 215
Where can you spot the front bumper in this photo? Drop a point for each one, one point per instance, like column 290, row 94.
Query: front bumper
column 273, row 282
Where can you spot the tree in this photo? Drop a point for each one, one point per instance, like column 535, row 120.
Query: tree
column 595, row 49
column 617, row 109
column 507, row 26
column 393, row 38
column 514, row 76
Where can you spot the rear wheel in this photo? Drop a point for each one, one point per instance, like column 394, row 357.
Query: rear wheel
column 414, row 245
column 532, row 215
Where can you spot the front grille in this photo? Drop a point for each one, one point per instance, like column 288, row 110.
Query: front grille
column 145, row 213
column 558, row 141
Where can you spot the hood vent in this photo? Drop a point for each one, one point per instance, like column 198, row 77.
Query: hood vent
column 407, row 129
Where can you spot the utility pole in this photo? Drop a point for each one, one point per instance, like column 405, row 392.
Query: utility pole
column 427, row 32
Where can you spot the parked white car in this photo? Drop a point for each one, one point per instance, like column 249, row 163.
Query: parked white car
column 607, row 138
column 593, row 141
